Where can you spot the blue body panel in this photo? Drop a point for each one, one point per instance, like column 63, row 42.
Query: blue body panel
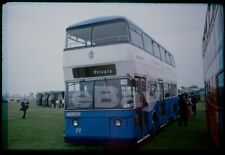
column 171, row 104
column 170, row 112
column 98, row 126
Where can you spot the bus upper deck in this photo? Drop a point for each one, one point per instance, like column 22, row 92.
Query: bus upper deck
column 114, row 40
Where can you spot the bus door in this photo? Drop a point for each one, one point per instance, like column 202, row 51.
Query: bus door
column 140, row 103
column 162, row 110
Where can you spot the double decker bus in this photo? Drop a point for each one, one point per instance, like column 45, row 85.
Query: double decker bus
column 213, row 67
column 121, row 84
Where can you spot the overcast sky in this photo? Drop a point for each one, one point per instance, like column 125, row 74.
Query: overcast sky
column 34, row 38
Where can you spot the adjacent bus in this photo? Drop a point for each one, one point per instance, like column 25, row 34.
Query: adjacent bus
column 50, row 98
column 39, row 98
column 121, row 84
column 213, row 67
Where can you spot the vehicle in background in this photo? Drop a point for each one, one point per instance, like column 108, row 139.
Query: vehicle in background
column 213, row 67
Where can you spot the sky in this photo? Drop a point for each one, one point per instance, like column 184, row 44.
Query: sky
column 33, row 39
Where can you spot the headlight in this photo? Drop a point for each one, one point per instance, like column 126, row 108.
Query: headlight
column 75, row 122
column 117, row 123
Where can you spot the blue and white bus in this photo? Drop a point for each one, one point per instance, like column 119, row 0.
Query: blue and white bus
column 121, row 84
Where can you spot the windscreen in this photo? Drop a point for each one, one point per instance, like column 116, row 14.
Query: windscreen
column 109, row 33
column 99, row 94
column 97, row 34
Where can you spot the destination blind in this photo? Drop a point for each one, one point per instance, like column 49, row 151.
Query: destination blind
column 94, row 71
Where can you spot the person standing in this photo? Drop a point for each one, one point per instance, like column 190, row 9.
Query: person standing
column 189, row 105
column 24, row 107
column 183, row 107
column 194, row 102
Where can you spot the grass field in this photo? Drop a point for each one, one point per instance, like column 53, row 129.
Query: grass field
column 43, row 129
column 193, row 137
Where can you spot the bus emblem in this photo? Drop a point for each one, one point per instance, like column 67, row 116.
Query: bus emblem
column 91, row 55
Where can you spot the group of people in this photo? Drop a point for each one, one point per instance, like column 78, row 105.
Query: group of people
column 57, row 103
column 187, row 107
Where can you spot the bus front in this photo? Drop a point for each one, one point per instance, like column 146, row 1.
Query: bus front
column 99, row 100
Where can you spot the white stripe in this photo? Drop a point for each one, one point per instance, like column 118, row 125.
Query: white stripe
column 145, row 137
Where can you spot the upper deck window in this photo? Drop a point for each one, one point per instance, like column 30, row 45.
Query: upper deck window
column 97, row 34
column 163, row 54
column 78, row 37
column 156, row 50
column 148, row 44
column 172, row 60
column 109, row 33
column 168, row 58
column 136, row 36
